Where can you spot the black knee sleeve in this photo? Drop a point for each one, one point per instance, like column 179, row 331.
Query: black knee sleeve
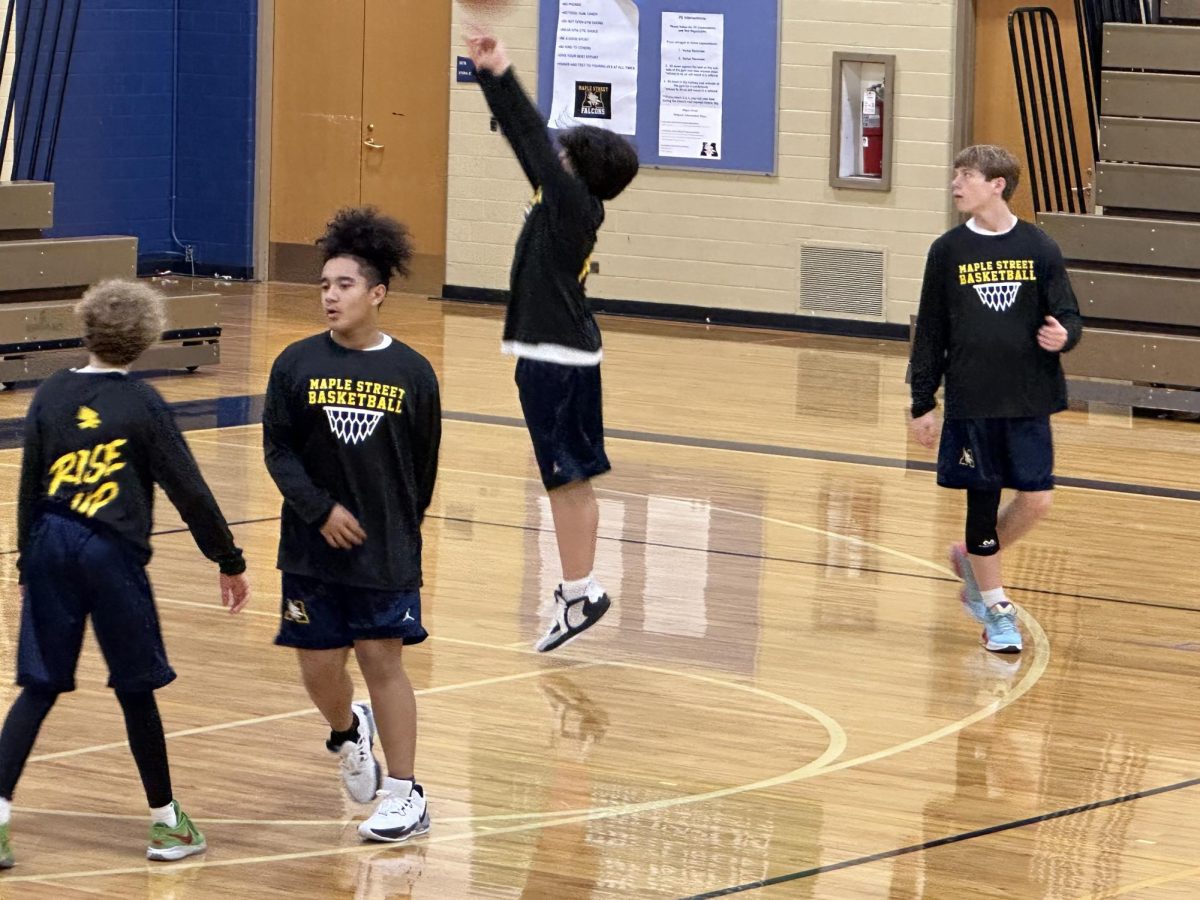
column 983, row 508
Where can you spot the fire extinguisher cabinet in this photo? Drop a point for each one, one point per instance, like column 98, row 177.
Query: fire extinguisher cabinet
column 863, row 101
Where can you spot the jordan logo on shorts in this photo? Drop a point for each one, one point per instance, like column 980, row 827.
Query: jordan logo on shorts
column 294, row 611
column 967, row 459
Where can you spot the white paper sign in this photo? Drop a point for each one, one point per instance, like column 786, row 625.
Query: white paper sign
column 691, row 99
column 596, row 65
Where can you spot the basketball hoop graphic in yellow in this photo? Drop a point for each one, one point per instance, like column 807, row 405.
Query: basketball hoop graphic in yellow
column 999, row 295
column 351, row 425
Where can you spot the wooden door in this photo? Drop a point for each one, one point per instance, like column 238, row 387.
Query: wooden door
column 316, row 145
column 406, row 123
column 361, row 115
column 996, row 113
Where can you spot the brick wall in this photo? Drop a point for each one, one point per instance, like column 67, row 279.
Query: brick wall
column 733, row 241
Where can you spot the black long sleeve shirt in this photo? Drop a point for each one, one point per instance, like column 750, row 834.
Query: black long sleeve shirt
column 361, row 428
column 549, row 316
column 95, row 446
column 983, row 299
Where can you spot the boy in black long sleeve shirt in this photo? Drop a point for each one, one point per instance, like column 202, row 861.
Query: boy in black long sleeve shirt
column 996, row 312
column 351, row 432
column 96, row 443
column 549, row 325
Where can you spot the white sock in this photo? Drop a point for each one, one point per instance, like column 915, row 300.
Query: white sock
column 573, row 590
column 165, row 815
column 584, row 587
column 994, row 596
column 5, row 810
column 400, row 787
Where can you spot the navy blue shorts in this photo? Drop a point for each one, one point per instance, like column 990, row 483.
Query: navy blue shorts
column 319, row 615
column 564, row 415
column 990, row 454
column 72, row 571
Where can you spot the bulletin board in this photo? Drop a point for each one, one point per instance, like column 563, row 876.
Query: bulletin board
column 750, row 81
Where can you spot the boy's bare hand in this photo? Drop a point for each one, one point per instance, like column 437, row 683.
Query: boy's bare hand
column 1052, row 336
column 486, row 51
column 235, row 591
column 924, row 429
column 341, row 530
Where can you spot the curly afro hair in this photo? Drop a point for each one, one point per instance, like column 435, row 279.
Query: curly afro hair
column 605, row 161
column 381, row 245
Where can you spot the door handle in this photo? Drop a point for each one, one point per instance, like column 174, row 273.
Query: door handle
column 369, row 142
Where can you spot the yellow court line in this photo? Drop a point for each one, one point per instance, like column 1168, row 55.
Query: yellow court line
column 823, row 765
column 834, row 748
column 1138, row 885
column 213, row 443
column 224, row 726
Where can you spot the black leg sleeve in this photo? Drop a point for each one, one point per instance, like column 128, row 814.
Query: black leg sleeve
column 148, row 744
column 20, row 731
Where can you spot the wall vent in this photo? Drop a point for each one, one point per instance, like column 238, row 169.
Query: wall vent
column 841, row 280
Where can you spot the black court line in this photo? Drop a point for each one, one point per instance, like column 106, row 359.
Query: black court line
column 190, row 415
column 886, row 462
column 760, row 557
column 226, row 412
column 941, row 842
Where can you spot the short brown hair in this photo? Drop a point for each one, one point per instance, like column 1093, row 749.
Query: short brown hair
column 121, row 319
column 993, row 162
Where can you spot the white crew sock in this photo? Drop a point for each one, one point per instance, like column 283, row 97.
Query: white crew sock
column 994, row 596
column 165, row 815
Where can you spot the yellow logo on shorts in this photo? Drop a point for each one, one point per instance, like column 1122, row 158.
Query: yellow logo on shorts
column 294, row 611
column 967, row 458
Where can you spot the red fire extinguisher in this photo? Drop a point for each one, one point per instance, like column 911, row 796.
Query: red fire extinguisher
column 872, row 131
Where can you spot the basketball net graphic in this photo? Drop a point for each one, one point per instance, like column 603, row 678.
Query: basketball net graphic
column 352, row 425
column 999, row 295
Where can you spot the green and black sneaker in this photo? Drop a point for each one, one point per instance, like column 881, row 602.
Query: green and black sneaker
column 167, row 843
column 6, row 857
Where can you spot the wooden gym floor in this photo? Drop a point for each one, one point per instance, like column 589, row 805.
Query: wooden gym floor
column 786, row 700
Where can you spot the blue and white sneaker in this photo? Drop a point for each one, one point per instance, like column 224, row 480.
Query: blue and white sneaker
column 1000, row 632
column 969, row 596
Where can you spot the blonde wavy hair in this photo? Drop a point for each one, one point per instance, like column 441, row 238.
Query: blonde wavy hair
column 121, row 319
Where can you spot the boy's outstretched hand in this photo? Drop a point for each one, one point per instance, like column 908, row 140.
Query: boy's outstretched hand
column 486, row 51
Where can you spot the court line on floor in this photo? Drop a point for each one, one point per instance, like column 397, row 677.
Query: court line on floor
column 944, row 841
column 834, row 749
column 814, row 563
column 507, row 422
column 557, row 819
column 1040, row 652
column 858, row 459
column 258, row 720
column 947, row 578
column 1154, row 881
column 780, row 450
